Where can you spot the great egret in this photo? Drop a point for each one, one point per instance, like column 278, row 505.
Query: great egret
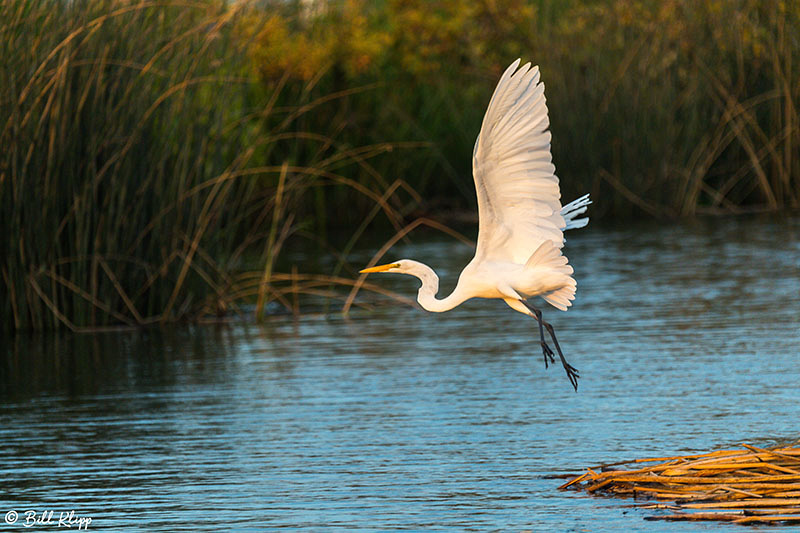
column 521, row 220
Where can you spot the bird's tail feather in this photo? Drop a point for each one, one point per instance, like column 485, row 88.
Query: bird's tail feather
column 549, row 256
column 572, row 210
column 562, row 298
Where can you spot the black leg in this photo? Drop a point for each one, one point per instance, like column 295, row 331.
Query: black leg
column 546, row 350
column 572, row 372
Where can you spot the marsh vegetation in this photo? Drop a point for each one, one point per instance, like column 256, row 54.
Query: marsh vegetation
column 159, row 157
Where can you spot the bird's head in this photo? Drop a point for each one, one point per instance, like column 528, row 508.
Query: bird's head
column 406, row 266
column 403, row 266
column 430, row 281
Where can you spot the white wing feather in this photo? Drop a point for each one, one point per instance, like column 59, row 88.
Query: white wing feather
column 518, row 196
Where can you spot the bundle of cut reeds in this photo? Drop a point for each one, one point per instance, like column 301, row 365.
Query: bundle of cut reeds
column 748, row 485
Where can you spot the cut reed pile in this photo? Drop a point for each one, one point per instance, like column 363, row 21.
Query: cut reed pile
column 749, row 485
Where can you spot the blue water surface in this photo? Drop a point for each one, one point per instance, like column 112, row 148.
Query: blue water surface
column 687, row 338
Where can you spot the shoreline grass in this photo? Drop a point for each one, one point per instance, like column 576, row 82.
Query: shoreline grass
column 136, row 170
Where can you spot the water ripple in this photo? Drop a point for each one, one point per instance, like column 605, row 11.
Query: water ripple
column 687, row 338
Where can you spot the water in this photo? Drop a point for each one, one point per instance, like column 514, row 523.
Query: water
column 687, row 338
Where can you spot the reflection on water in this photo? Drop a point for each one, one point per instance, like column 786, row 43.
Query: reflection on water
column 687, row 338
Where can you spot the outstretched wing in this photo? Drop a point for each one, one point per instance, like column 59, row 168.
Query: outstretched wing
column 518, row 194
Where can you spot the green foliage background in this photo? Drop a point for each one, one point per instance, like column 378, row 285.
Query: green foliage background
column 671, row 107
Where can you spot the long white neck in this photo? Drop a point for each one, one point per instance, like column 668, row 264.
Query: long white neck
column 430, row 286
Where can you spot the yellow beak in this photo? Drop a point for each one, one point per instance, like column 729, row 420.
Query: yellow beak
column 379, row 268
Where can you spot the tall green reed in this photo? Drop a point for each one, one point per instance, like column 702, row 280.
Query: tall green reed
column 678, row 108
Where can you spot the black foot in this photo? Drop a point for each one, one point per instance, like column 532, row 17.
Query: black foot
column 549, row 356
column 572, row 374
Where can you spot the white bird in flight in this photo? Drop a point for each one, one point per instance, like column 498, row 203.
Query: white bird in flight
column 521, row 220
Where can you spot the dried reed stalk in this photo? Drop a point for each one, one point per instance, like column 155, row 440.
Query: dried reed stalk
column 751, row 485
